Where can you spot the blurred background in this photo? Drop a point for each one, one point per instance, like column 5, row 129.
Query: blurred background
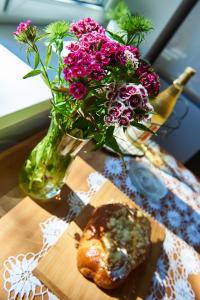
column 172, row 46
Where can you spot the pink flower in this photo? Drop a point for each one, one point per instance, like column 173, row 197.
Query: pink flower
column 135, row 100
column 109, row 47
column 131, row 89
column 108, row 120
column 131, row 57
column 78, row 72
column 127, row 102
column 134, row 50
column 77, row 90
column 128, row 113
column 110, row 95
column 102, row 58
column 151, row 82
column 124, row 121
column 67, row 74
column 73, row 46
column 120, row 56
column 22, row 27
column 143, row 68
column 84, row 26
column 114, row 112
column 123, row 93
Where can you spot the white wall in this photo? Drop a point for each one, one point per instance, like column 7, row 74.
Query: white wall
column 159, row 11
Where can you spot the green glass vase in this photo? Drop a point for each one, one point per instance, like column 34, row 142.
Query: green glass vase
column 42, row 175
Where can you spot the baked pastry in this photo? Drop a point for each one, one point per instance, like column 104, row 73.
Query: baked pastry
column 114, row 242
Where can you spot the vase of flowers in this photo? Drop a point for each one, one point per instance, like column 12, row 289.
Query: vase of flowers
column 43, row 173
column 100, row 83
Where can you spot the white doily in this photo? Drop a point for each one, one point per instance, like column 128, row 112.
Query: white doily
column 177, row 261
column 19, row 281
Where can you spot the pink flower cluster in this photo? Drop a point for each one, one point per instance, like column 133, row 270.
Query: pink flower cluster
column 92, row 54
column 89, row 58
column 22, row 27
column 148, row 78
column 129, row 102
column 84, row 26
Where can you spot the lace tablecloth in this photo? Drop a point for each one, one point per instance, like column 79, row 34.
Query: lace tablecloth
column 178, row 210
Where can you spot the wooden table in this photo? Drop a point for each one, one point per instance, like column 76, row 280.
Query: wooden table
column 10, row 195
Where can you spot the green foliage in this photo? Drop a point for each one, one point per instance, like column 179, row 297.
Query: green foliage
column 116, row 37
column 32, row 73
column 57, row 30
column 133, row 27
column 135, row 24
column 37, row 59
column 136, row 27
column 48, row 55
column 110, row 140
column 141, row 127
column 120, row 9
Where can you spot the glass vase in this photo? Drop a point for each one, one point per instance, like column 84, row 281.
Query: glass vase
column 43, row 173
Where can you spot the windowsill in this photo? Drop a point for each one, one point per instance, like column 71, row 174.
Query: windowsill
column 21, row 99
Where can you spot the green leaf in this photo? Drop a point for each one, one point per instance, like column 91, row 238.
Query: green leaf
column 110, row 140
column 60, row 47
column 48, row 55
column 141, row 127
column 32, row 73
column 45, row 79
column 40, row 37
column 37, row 59
column 116, row 37
column 28, row 52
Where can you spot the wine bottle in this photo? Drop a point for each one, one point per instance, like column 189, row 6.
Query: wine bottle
column 163, row 107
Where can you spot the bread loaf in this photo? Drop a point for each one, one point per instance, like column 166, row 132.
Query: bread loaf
column 114, row 243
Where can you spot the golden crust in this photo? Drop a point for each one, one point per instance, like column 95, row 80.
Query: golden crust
column 114, row 242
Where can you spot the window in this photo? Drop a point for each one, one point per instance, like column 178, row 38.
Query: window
column 183, row 50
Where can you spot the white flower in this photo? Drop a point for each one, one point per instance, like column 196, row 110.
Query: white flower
column 113, row 166
column 52, row 229
column 174, row 218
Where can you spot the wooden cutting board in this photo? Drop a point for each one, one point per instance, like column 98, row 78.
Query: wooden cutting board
column 58, row 268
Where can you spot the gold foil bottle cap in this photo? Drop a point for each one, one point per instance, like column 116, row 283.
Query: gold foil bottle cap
column 184, row 77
